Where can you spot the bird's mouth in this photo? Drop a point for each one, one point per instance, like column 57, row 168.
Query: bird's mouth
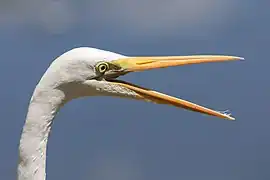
column 135, row 64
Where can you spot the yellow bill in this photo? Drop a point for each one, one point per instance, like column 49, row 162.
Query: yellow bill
column 147, row 63
column 133, row 64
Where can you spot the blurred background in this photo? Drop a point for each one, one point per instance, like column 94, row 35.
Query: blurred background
column 107, row 138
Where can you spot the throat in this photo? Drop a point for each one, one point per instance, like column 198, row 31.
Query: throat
column 33, row 143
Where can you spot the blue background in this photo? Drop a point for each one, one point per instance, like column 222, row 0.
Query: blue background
column 102, row 138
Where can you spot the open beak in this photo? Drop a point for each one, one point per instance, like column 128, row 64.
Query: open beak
column 134, row 64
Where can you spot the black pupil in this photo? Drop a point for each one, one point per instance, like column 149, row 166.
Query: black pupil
column 103, row 67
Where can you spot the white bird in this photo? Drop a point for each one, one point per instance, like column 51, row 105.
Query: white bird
column 84, row 72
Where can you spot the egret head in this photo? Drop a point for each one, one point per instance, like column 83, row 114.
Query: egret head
column 93, row 72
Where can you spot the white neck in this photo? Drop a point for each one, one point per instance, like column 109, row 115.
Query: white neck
column 43, row 107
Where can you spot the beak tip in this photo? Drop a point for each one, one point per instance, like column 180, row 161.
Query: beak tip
column 238, row 58
column 230, row 118
column 241, row 58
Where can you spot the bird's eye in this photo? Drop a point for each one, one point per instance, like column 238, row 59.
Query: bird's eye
column 102, row 67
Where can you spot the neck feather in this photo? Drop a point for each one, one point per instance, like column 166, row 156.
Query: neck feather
column 43, row 107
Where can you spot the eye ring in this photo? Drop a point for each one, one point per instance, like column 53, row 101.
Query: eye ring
column 102, row 67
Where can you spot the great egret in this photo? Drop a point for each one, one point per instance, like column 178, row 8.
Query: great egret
column 84, row 72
